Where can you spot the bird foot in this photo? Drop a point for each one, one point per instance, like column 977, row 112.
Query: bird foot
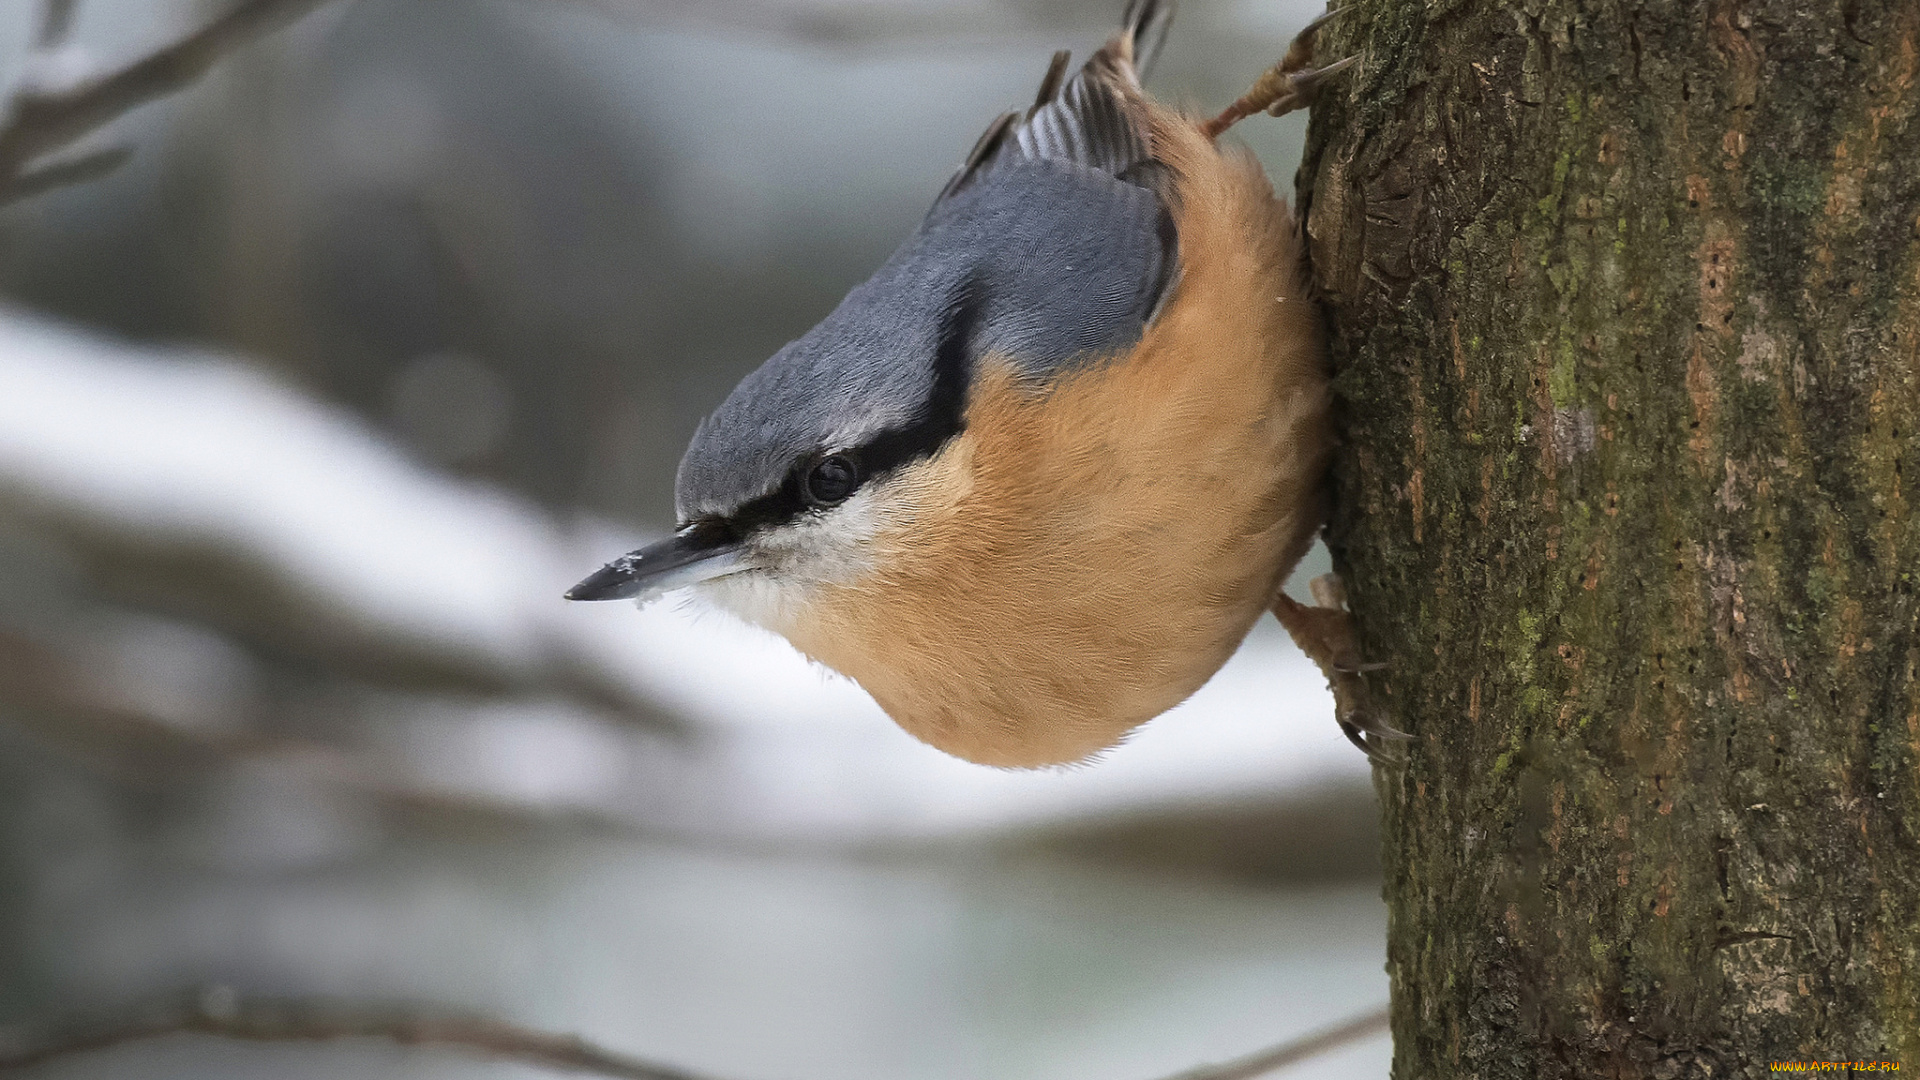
column 1287, row 85
column 1324, row 632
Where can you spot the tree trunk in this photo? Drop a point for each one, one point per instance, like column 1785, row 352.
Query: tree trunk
column 1625, row 303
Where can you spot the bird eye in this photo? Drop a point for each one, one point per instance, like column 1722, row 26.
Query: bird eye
column 832, row 480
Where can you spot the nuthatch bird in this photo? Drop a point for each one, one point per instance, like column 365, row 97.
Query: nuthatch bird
column 1032, row 483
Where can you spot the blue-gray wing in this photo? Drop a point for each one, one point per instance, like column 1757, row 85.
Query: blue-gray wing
column 1058, row 217
column 1061, row 262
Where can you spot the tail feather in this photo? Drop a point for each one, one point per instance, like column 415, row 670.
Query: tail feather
column 1050, row 84
column 1097, row 121
column 1098, row 118
column 1144, row 26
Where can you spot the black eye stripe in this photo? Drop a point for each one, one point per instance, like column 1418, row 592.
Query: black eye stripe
column 940, row 419
column 945, row 411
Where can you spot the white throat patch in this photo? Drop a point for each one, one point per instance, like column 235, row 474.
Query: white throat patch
column 785, row 563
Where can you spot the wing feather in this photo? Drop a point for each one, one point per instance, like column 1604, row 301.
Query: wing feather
column 1097, row 119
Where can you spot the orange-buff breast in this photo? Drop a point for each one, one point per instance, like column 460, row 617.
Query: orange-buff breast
column 1086, row 554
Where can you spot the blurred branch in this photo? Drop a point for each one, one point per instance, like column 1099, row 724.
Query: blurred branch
column 219, row 1012
column 47, row 114
column 272, row 583
column 45, row 693
column 260, row 599
column 1295, row 1051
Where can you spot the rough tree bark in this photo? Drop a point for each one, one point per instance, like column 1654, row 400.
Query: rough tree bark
column 1626, row 312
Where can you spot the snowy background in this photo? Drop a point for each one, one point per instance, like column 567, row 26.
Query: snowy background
column 391, row 330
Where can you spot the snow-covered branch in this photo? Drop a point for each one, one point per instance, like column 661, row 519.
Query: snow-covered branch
column 59, row 100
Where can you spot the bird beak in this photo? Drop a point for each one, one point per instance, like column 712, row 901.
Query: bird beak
column 696, row 553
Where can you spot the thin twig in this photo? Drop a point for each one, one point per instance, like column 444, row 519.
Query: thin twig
column 221, row 1013
column 42, row 119
column 1294, row 1051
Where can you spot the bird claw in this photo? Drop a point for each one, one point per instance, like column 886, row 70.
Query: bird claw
column 1288, row 85
column 1324, row 632
column 1361, row 722
column 1302, row 87
column 1362, row 738
column 1316, row 23
column 1300, row 50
